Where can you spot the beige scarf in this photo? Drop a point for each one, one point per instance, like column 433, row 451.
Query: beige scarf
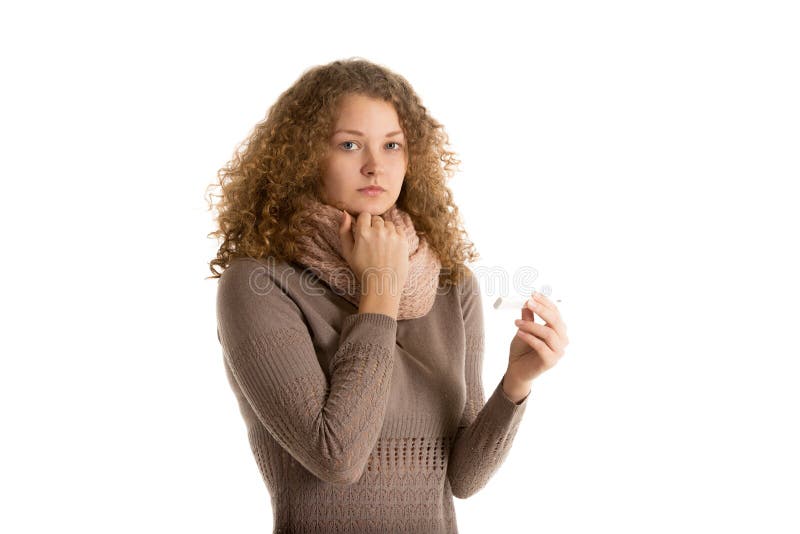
column 320, row 250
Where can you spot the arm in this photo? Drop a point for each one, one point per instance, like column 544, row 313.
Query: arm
column 329, row 428
column 487, row 429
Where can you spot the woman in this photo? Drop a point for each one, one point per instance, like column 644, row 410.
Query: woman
column 351, row 329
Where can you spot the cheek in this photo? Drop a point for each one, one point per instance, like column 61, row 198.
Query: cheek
column 336, row 177
column 338, row 165
column 401, row 166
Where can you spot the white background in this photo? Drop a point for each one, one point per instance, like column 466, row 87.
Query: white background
column 639, row 157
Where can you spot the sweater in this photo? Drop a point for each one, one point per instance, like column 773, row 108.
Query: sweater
column 359, row 422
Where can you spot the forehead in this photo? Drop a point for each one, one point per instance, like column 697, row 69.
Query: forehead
column 356, row 112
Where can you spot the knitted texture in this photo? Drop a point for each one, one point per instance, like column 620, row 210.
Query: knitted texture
column 321, row 252
column 359, row 422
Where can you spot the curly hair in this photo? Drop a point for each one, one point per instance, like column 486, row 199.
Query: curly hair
column 275, row 171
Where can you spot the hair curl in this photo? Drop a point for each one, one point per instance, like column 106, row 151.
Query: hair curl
column 276, row 170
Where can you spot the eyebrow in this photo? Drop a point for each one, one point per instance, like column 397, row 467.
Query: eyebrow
column 356, row 132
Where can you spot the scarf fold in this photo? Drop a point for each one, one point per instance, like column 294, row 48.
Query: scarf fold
column 320, row 250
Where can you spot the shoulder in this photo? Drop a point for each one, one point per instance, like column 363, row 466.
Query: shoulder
column 245, row 267
column 249, row 278
column 250, row 298
column 469, row 294
column 469, row 287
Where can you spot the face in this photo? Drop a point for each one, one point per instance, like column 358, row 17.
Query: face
column 367, row 147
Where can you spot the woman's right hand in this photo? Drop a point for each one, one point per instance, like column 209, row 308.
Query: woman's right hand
column 377, row 253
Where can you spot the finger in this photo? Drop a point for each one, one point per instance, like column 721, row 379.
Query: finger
column 543, row 300
column 527, row 314
column 543, row 333
column 551, row 317
column 538, row 344
column 377, row 221
column 393, row 229
column 345, row 234
column 363, row 222
column 399, row 230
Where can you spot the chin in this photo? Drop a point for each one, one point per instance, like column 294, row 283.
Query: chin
column 371, row 206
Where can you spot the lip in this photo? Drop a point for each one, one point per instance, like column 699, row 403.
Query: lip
column 371, row 191
column 374, row 188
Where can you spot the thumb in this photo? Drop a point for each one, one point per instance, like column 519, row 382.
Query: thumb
column 346, row 235
column 527, row 314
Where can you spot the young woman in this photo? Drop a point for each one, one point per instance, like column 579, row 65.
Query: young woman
column 351, row 328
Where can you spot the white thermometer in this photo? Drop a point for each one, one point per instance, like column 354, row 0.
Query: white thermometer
column 513, row 303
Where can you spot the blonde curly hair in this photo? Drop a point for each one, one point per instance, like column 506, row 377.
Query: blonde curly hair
column 266, row 186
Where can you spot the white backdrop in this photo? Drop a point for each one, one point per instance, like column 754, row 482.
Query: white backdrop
column 637, row 157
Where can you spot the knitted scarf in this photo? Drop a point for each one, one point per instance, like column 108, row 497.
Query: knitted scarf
column 320, row 250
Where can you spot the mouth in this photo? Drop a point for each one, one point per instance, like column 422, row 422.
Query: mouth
column 372, row 189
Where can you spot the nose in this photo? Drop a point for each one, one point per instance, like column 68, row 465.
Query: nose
column 371, row 164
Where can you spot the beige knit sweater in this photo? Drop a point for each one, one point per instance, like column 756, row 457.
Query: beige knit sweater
column 359, row 422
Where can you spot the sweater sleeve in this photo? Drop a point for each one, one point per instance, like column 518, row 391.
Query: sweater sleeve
column 487, row 429
column 330, row 428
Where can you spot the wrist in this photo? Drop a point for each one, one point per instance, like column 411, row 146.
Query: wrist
column 377, row 304
column 515, row 389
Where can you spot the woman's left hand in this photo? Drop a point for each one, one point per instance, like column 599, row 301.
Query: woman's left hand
column 536, row 347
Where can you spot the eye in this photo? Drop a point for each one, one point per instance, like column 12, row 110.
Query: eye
column 399, row 146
